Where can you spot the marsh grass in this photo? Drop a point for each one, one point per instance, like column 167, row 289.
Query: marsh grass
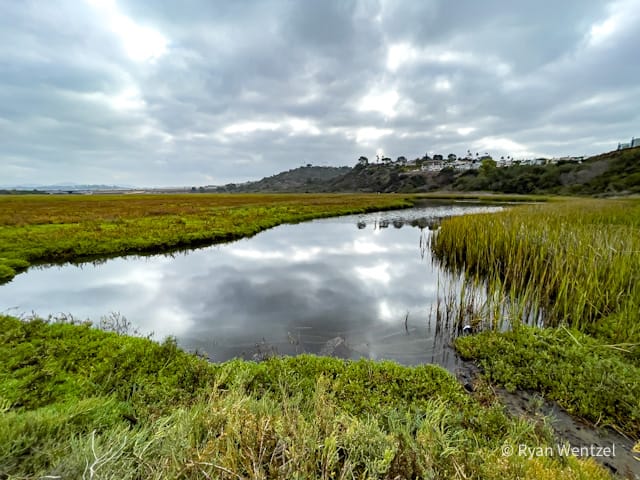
column 40, row 229
column 560, row 302
column 130, row 408
column 573, row 263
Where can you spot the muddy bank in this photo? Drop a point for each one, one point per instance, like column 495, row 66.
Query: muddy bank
column 568, row 430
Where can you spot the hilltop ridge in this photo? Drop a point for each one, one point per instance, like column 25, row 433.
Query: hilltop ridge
column 612, row 173
column 302, row 179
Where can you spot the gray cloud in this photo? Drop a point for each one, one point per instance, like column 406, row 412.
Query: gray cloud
column 200, row 92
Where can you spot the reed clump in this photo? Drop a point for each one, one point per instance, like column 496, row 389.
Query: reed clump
column 576, row 262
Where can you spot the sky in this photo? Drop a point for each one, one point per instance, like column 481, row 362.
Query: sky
column 205, row 92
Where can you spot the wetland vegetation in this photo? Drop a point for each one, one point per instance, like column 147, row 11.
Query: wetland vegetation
column 79, row 402
column 37, row 229
column 571, row 269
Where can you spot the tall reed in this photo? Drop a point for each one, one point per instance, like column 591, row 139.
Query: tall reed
column 575, row 262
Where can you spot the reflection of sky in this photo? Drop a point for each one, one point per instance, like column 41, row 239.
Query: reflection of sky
column 289, row 289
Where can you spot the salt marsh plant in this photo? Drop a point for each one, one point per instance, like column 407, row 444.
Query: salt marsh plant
column 77, row 402
column 575, row 263
column 572, row 268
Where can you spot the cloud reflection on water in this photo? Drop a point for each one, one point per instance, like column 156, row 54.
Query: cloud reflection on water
column 289, row 289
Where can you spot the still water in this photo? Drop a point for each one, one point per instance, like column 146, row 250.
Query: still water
column 353, row 286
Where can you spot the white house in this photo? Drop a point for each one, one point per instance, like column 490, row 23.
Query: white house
column 432, row 166
column 635, row 142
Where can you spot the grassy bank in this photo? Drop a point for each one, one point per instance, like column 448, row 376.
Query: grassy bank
column 77, row 402
column 37, row 229
column 576, row 265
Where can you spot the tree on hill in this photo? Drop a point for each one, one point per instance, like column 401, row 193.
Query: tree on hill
column 487, row 167
column 363, row 161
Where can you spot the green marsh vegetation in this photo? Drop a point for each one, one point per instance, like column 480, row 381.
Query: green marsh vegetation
column 78, row 402
column 53, row 228
column 574, row 268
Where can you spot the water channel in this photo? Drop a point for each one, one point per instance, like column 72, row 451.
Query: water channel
column 353, row 286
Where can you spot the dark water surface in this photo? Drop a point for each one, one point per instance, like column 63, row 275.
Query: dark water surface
column 353, row 286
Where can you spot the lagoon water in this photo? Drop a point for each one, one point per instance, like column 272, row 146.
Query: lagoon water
column 352, row 286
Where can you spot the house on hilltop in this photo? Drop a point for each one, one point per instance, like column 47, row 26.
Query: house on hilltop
column 433, row 165
column 635, row 142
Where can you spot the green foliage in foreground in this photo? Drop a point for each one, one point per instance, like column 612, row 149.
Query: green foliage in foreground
column 586, row 377
column 36, row 229
column 78, row 402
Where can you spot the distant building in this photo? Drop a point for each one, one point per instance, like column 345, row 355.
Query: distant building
column 540, row 161
column 463, row 165
column 635, row 142
column 433, row 165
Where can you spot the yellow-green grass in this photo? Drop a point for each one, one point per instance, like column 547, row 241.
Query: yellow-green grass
column 578, row 261
column 576, row 266
column 76, row 402
column 37, row 228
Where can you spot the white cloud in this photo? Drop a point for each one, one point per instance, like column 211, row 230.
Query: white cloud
column 127, row 99
column 381, row 102
column 442, row 85
column 403, row 54
column 141, row 43
column 604, row 30
column 242, row 128
column 292, row 125
column 366, row 135
column 501, row 145
column 303, row 126
column 399, row 54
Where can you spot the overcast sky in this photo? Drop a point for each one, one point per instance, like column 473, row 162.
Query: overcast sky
column 196, row 92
